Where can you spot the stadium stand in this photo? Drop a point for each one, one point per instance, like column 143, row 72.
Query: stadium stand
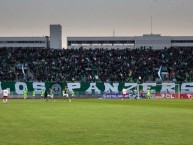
column 109, row 65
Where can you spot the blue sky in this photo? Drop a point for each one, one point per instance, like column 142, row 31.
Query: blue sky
column 96, row 17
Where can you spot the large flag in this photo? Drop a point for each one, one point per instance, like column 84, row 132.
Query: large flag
column 160, row 73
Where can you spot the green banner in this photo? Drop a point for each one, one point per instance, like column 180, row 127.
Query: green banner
column 94, row 88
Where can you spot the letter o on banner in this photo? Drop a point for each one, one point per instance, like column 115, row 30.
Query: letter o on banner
column 19, row 87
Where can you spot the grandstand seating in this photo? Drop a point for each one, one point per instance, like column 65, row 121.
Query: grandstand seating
column 127, row 65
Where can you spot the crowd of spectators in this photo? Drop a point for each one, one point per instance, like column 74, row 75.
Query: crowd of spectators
column 107, row 65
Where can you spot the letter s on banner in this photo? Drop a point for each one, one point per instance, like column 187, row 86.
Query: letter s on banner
column 38, row 87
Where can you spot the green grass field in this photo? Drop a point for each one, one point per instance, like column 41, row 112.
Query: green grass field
column 96, row 122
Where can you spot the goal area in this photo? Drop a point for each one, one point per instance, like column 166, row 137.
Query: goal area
column 169, row 91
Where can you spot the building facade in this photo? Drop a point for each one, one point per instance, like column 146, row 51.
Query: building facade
column 32, row 42
column 146, row 41
column 56, row 36
column 53, row 41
